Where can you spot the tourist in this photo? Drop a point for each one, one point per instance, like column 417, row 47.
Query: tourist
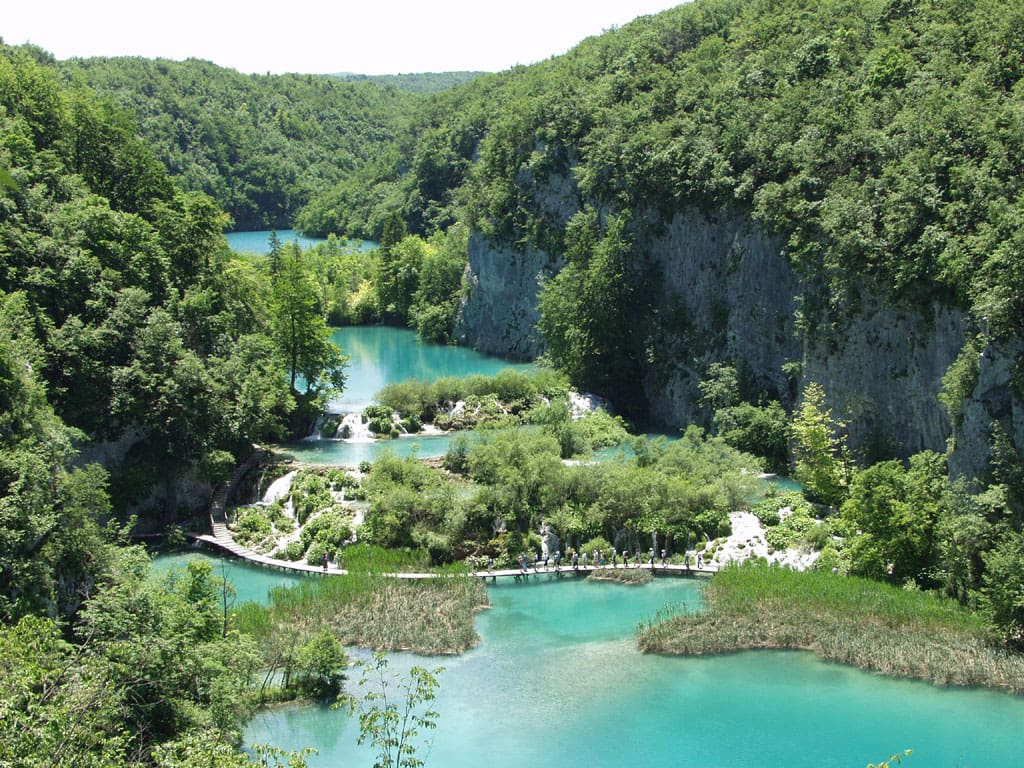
column 650, row 557
column 558, row 558
column 614, row 555
column 686, row 560
column 584, row 559
column 325, row 561
column 625, row 558
column 663, row 557
column 575, row 560
column 700, row 561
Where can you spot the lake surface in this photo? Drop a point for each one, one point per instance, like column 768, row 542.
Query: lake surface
column 380, row 355
column 557, row 680
column 258, row 241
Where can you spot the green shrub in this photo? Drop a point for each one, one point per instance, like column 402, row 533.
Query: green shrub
column 293, row 551
column 599, row 543
column 330, row 528
column 379, row 419
column 316, row 552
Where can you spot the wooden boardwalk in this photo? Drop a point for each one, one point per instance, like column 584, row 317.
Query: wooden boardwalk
column 222, row 540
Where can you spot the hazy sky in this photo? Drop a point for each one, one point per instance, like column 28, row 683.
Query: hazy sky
column 368, row 37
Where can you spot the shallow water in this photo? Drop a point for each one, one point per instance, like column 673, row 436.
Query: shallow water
column 252, row 583
column 380, row 355
column 557, row 680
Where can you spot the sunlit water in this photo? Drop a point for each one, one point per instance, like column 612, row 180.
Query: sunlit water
column 380, row 355
column 557, row 680
column 258, row 241
column 252, row 583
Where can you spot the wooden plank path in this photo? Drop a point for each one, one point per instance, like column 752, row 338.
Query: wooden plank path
column 226, row 543
column 221, row 539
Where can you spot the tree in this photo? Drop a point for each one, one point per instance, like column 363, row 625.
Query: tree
column 822, row 460
column 394, row 722
column 300, row 334
column 896, row 511
column 590, row 312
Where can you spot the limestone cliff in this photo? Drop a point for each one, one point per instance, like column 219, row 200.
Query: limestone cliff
column 499, row 311
column 725, row 291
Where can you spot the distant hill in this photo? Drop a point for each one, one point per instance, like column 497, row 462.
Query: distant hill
column 260, row 145
column 419, row 82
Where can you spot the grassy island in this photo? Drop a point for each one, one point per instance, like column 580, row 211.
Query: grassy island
column 906, row 633
column 624, row 576
column 371, row 609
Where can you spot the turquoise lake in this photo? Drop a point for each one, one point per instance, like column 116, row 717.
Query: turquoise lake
column 258, row 241
column 557, row 680
column 379, row 355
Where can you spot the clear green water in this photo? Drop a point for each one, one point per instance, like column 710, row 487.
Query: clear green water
column 557, row 680
column 380, row 355
column 258, row 241
column 252, row 583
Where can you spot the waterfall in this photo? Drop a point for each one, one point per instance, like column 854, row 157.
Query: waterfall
column 353, row 430
column 280, row 488
column 318, row 425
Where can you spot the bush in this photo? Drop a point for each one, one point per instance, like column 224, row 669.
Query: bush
column 379, row 419
column 599, row 543
column 330, row 528
column 293, row 551
column 316, row 552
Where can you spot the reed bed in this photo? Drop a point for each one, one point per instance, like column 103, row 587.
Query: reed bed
column 372, row 610
column 843, row 619
column 623, row 576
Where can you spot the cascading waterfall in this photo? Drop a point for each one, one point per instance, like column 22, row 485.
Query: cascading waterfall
column 280, row 488
column 353, row 430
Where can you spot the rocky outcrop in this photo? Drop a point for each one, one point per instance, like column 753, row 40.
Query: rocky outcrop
column 499, row 311
column 996, row 403
column 723, row 290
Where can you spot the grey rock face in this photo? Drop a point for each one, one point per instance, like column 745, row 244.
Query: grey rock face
column 724, row 291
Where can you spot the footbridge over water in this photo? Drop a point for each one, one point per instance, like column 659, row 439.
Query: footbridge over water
column 221, row 539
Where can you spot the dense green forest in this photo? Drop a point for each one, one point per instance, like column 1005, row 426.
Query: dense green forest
column 882, row 142
column 415, row 82
column 260, row 145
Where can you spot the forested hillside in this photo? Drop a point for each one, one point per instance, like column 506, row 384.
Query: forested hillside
column 741, row 209
column 415, row 82
column 123, row 309
column 875, row 146
column 260, row 145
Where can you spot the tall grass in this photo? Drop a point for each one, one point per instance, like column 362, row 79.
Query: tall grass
column 377, row 611
column 844, row 619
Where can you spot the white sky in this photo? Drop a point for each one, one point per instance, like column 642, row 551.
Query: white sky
column 314, row 36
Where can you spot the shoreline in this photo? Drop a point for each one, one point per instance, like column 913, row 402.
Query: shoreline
column 845, row 620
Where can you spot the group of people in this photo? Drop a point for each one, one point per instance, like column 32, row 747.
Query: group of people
column 595, row 559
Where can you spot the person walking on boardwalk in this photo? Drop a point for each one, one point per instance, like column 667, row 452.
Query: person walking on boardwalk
column 325, row 561
column 575, row 560
column 663, row 557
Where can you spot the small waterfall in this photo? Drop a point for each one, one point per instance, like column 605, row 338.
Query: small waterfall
column 353, row 430
column 317, row 426
column 280, row 488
